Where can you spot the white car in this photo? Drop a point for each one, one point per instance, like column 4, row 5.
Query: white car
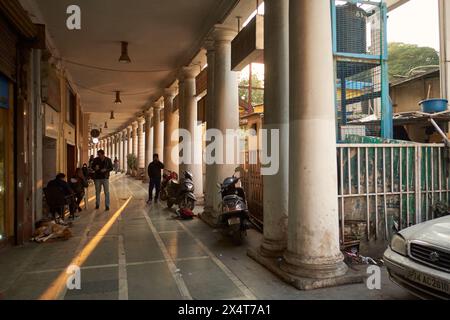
column 418, row 259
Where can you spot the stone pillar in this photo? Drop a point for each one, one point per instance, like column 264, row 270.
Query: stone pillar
column 106, row 145
column 210, row 124
column 276, row 118
column 226, row 102
column 141, row 144
column 124, row 150
column 129, row 145
column 444, row 27
column 113, row 147
column 170, row 126
column 135, row 144
column 157, row 138
column 148, row 140
column 118, row 142
column 313, row 252
column 189, row 123
column 120, row 149
column 180, row 110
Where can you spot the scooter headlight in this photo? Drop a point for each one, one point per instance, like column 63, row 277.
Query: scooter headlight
column 399, row 245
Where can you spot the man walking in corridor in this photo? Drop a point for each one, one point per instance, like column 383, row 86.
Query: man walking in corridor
column 154, row 173
column 102, row 166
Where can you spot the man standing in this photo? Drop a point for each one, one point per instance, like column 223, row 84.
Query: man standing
column 102, row 166
column 154, row 173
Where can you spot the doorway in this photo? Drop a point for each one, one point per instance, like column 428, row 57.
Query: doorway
column 71, row 161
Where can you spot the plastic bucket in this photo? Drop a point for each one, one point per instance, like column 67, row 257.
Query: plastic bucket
column 433, row 105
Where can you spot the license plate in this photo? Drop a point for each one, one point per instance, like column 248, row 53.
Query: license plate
column 429, row 281
column 233, row 221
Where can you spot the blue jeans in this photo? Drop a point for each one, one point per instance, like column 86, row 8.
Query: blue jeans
column 98, row 189
column 154, row 184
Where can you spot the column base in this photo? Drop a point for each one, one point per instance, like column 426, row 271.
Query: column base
column 208, row 217
column 272, row 248
column 275, row 265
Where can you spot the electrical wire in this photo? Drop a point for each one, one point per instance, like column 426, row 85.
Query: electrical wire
column 113, row 70
column 112, row 92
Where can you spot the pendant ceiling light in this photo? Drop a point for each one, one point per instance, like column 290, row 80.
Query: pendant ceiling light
column 106, row 125
column 124, row 58
column 112, row 116
column 118, row 100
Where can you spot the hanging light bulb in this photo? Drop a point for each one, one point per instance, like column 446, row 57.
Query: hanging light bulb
column 118, row 100
column 106, row 125
column 124, row 58
column 112, row 116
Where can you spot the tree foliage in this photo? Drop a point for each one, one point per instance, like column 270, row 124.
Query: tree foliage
column 405, row 57
column 257, row 95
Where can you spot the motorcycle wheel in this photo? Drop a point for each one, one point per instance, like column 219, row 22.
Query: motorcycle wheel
column 190, row 204
column 238, row 235
column 163, row 195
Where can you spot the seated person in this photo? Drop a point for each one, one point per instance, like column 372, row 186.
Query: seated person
column 78, row 183
column 62, row 189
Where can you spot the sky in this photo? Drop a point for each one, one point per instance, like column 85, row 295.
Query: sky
column 416, row 22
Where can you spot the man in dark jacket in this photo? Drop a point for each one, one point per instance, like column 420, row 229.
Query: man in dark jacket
column 102, row 166
column 154, row 173
column 63, row 195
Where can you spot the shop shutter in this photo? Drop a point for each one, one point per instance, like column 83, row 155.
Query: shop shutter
column 8, row 50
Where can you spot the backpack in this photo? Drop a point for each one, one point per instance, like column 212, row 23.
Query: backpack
column 185, row 214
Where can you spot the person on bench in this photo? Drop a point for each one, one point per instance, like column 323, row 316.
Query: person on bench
column 61, row 195
column 78, row 183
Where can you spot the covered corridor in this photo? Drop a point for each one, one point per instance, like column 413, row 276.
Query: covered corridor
column 163, row 77
column 146, row 254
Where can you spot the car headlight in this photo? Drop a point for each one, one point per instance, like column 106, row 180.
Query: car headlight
column 398, row 244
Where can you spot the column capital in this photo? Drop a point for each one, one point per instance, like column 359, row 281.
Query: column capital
column 170, row 92
column 223, row 33
column 134, row 125
column 140, row 121
column 157, row 106
column 190, row 72
column 148, row 114
column 208, row 44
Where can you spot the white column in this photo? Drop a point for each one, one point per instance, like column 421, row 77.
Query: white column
column 148, row 139
column 226, row 102
column 170, row 126
column 124, row 150
column 117, row 151
column 107, row 146
column 129, row 144
column 135, row 144
column 141, row 144
column 120, row 149
column 444, row 27
column 189, row 123
column 180, row 108
column 210, row 181
column 113, row 147
column 313, row 228
column 276, row 119
column 157, row 138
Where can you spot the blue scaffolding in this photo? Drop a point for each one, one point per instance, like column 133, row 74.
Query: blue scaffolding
column 361, row 64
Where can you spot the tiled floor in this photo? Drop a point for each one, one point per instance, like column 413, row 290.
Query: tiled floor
column 137, row 251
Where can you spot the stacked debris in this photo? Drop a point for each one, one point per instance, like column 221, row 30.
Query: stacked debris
column 50, row 230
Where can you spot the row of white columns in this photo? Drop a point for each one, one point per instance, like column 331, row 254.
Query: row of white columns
column 300, row 201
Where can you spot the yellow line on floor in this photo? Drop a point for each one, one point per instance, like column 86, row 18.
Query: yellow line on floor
column 58, row 286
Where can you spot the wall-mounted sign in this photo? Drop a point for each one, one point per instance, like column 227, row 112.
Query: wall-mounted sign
column 51, row 122
column 4, row 92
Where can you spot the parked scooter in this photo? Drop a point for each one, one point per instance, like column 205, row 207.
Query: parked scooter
column 168, row 176
column 182, row 193
column 234, row 217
